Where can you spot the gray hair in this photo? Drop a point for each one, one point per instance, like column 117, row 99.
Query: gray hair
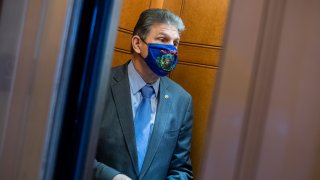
column 150, row 17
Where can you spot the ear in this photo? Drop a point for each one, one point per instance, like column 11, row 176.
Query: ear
column 136, row 43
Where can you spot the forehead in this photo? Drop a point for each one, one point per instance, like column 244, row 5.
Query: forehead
column 164, row 29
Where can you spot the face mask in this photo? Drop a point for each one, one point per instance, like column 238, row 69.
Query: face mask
column 162, row 58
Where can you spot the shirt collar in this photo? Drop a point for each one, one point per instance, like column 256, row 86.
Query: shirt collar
column 136, row 81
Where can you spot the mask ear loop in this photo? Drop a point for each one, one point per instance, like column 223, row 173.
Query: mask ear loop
column 144, row 41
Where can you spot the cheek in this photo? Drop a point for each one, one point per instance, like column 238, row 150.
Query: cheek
column 144, row 51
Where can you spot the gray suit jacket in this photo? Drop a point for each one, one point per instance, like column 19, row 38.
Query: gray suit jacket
column 169, row 147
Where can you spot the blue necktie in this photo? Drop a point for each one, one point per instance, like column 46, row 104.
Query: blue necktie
column 142, row 123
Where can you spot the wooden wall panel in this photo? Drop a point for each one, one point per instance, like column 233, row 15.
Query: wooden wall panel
column 129, row 16
column 130, row 12
column 174, row 6
column 120, row 57
column 199, row 54
column 156, row 3
column 124, row 40
column 199, row 82
column 204, row 20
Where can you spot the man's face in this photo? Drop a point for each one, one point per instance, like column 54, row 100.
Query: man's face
column 161, row 34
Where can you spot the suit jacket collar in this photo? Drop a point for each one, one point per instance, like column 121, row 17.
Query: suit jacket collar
column 121, row 93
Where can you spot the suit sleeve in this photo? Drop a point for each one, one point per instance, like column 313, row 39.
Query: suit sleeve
column 103, row 172
column 180, row 166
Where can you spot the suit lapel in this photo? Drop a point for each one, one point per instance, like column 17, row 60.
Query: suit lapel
column 122, row 98
column 160, row 125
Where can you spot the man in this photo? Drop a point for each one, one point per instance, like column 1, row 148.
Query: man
column 147, row 136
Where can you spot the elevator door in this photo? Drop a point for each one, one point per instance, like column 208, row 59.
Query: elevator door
column 54, row 66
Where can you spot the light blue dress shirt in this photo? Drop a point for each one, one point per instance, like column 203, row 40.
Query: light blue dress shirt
column 136, row 83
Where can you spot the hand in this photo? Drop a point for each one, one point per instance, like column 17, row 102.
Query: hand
column 121, row 177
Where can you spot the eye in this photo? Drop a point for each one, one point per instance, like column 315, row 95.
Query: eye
column 162, row 39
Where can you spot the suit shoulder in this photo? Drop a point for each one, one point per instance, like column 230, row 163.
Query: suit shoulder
column 177, row 87
column 119, row 72
column 120, row 68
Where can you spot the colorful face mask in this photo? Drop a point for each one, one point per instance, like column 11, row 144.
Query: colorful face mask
column 162, row 58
